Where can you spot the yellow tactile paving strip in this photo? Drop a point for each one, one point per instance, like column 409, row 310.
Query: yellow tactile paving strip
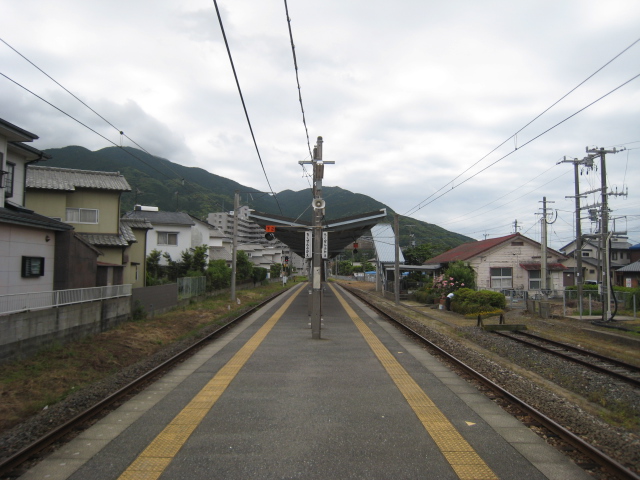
column 157, row 456
column 461, row 456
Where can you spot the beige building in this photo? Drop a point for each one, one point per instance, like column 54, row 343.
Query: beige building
column 89, row 201
column 512, row 262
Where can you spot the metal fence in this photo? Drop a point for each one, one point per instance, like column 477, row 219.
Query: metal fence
column 21, row 302
column 191, row 287
column 592, row 301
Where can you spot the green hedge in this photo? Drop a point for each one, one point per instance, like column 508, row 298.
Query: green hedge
column 467, row 301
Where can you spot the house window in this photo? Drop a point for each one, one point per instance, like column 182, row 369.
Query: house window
column 614, row 256
column 517, row 244
column 8, row 181
column 592, row 271
column 501, row 278
column 167, row 238
column 81, row 215
column 586, row 254
column 535, row 282
column 32, row 266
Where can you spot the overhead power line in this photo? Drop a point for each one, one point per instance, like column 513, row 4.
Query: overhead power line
column 120, row 132
column 295, row 65
column 244, row 106
column 92, row 130
column 419, row 206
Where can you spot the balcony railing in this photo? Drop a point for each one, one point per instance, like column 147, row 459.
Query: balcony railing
column 21, row 302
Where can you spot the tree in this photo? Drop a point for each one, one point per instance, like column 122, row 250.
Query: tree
column 418, row 254
column 244, row 267
column 258, row 275
column 199, row 259
column 276, row 270
column 218, row 275
column 153, row 264
column 345, row 268
column 461, row 273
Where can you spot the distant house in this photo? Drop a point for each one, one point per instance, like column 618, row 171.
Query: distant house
column 591, row 258
column 172, row 231
column 89, row 201
column 512, row 262
column 28, row 241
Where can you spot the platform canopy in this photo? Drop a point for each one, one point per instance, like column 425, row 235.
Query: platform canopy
column 342, row 231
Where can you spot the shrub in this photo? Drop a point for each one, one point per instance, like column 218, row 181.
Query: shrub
column 468, row 301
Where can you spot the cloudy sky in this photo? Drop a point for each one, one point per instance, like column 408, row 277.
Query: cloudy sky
column 421, row 104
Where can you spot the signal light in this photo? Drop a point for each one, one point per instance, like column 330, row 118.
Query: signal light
column 286, row 258
column 355, row 248
column 269, row 236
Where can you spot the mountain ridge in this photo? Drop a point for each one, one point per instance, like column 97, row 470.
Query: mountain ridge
column 172, row 187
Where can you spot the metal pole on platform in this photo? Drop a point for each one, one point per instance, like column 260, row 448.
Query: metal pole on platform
column 316, row 228
column 396, row 279
column 236, row 203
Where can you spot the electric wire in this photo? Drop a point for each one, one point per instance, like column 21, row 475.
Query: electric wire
column 295, row 65
column 415, row 209
column 244, row 106
column 418, row 207
column 120, row 132
column 124, row 149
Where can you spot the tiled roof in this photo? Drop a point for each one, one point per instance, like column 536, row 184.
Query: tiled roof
column 162, row 218
column 469, row 250
column 52, row 178
column 105, row 239
column 25, row 217
column 137, row 223
column 632, row 267
column 220, row 254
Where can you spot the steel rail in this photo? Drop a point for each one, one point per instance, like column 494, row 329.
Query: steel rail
column 10, row 463
column 599, row 368
column 611, row 465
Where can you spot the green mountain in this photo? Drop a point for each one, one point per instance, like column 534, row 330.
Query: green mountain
column 159, row 182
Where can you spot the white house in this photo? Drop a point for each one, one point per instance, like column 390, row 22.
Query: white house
column 172, row 231
column 512, row 262
column 27, row 239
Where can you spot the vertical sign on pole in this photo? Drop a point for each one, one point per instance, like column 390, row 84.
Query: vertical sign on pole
column 325, row 244
column 308, row 250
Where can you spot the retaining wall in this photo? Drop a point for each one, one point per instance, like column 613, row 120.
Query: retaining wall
column 24, row 333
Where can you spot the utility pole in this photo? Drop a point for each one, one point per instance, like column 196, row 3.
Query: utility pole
column 544, row 286
column 318, row 213
column 577, row 253
column 605, row 236
column 515, row 226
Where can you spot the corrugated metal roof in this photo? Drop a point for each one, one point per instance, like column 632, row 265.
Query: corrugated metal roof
column 162, row 218
column 52, row 178
column 384, row 241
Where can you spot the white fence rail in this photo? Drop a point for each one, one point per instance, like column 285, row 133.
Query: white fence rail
column 21, row 302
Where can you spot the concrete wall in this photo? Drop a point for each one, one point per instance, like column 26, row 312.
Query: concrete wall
column 24, row 333
column 157, row 299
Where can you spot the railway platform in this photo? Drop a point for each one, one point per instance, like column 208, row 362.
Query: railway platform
column 266, row 401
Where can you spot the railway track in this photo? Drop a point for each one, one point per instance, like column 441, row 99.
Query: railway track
column 609, row 464
column 8, row 465
column 600, row 363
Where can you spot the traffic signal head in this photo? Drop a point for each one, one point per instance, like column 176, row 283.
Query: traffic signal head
column 269, row 235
